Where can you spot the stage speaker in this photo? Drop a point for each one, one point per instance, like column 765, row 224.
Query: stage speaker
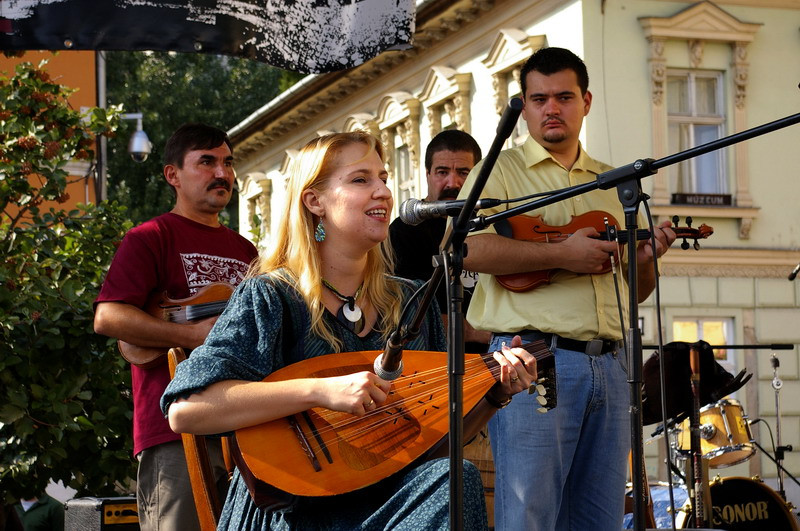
column 94, row 514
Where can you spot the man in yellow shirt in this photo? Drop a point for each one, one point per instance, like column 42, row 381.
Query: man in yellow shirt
column 565, row 469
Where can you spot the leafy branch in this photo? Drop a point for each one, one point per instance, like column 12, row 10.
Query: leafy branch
column 64, row 392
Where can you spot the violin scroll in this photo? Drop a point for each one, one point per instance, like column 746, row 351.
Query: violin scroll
column 689, row 233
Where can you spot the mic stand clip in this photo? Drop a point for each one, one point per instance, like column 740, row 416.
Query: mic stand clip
column 777, row 384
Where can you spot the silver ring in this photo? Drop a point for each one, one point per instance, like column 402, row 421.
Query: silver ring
column 514, row 379
column 370, row 403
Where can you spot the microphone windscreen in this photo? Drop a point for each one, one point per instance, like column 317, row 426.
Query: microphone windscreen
column 408, row 213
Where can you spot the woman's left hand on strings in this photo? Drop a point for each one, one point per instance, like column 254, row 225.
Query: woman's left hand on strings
column 517, row 368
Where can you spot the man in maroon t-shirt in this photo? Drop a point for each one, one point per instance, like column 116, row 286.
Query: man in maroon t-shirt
column 177, row 254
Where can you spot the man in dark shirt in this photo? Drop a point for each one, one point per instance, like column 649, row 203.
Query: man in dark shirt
column 41, row 514
column 449, row 158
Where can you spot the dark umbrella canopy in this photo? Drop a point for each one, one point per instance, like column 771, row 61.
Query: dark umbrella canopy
column 301, row 35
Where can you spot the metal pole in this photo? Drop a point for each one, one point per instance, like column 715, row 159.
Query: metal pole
column 102, row 147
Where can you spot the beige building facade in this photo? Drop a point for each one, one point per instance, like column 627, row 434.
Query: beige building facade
column 666, row 76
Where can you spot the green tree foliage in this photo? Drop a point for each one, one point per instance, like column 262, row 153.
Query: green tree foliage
column 171, row 89
column 64, row 405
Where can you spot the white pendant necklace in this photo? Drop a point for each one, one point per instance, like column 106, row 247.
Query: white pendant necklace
column 350, row 313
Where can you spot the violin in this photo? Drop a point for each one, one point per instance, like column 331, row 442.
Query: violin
column 534, row 229
column 209, row 301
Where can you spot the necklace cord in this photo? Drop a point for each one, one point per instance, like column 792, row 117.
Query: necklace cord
column 344, row 298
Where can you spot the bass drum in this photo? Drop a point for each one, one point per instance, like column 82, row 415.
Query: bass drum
column 744, row 504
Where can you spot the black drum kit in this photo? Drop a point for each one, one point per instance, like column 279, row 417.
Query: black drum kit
column 706, row 430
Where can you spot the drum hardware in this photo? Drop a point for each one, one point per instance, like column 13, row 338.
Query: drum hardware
column 707, row 431
column 723, row 428
column 779, row 449
column 672, row 393
column 699, row 492
column 777, row 384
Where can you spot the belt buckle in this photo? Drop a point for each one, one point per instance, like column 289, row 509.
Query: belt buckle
column 594, row 347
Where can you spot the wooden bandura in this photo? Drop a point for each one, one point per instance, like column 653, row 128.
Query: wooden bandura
column 320, row 452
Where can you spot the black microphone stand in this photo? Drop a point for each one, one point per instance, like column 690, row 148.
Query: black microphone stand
column 779, row 454
column 451, row 260
column 627, row 180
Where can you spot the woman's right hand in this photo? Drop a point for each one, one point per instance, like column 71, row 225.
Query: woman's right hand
column 355, row 393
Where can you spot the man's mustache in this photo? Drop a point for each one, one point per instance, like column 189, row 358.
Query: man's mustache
column 551, row 118
column 219, row 183
column 449, row 193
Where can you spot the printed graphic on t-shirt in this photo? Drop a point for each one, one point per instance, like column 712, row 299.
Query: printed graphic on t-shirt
column 203, row 269
column 469, row 279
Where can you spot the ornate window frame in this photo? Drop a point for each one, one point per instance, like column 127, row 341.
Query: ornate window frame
column 398, row 116
column 255, row 189
column 289, row 157
column 362, row 122
column 703, row 22
column 510, row 49
column 446, row 90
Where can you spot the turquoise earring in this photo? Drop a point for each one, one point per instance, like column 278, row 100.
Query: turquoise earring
column 319, row 232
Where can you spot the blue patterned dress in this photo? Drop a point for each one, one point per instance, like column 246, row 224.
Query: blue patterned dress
column 266, row 327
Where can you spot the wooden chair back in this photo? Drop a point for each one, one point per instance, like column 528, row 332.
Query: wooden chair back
column 201, row 476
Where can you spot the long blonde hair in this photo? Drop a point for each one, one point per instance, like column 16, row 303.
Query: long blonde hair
column 295, row 256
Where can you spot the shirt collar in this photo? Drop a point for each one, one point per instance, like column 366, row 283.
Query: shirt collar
column 535, row 154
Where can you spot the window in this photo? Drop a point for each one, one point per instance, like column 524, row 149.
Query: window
column 446, row 115
column 695, row 116
column 398, row 120
column 520, row 133
column 402, row 168
column 713, row 330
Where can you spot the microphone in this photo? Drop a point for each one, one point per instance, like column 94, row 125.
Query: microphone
column 794, row 272
column 389, row 365
column 415, row 211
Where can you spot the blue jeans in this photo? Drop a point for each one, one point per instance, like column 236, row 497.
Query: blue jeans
column 565, row 469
